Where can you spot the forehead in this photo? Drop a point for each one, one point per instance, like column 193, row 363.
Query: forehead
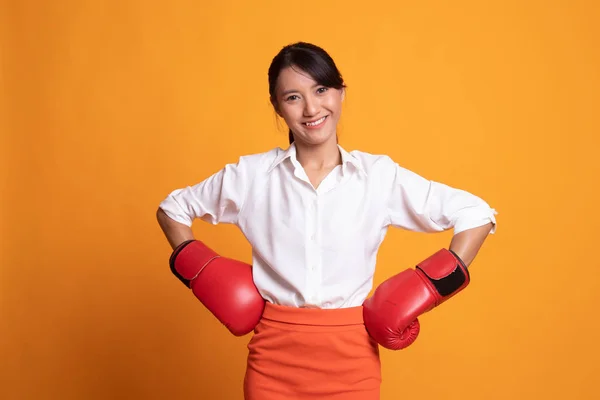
column 293, row 78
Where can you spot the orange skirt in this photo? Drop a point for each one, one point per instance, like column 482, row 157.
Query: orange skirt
column 309, row 353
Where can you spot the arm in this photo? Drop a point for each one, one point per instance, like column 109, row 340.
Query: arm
column 223, row 285
column 175, row 232
column 415, row 203
column 466, row 244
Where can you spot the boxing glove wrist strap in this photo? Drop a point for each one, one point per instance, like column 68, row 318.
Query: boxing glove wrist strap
column 445, row 272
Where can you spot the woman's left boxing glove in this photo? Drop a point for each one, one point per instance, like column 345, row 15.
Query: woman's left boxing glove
column 390, row 315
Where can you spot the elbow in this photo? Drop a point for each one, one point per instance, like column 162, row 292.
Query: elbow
column 162, row 218
column 160, row 214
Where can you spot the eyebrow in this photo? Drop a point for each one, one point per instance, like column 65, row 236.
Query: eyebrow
column 295, row 90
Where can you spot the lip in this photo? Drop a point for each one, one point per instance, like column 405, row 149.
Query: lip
column 316, row 126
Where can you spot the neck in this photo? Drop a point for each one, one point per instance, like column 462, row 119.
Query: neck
column 318, row 157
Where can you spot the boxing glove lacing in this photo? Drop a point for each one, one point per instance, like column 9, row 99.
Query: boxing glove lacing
column 204, row 266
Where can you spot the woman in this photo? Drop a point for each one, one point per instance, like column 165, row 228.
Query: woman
column 315, row 215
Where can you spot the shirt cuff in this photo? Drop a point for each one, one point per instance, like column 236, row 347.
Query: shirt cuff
column 474, row 221
column 168, row 207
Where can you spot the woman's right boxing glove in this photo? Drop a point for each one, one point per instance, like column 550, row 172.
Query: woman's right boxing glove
column 224, row 286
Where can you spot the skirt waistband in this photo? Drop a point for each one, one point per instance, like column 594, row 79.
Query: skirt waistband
column 314, row 316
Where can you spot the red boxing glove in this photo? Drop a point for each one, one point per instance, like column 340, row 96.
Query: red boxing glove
column 390, row 315
column 224, row 286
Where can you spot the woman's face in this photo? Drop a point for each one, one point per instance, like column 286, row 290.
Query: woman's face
column 310, row 110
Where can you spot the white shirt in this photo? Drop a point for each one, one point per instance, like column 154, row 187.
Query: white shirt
column 317, row 247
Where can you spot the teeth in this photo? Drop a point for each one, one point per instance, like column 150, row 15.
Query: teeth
column 317, row 122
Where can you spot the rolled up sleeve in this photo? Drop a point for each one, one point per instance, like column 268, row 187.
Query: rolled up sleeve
column 423, row 205
column 217, row 199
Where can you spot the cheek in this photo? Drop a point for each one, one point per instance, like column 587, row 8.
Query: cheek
column 291, row 113
column 334, row 104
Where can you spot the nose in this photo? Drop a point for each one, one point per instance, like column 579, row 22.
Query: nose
column 311, row 106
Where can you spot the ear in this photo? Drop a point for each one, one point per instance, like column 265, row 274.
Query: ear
column 275, row 106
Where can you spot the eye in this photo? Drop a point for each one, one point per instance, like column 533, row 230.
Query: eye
column 322, row 90
column 291, row 98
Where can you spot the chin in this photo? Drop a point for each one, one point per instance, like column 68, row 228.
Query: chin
column 315, row 141
column 315, row 138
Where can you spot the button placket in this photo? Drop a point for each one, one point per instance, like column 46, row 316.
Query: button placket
column 313, row 256
column 316, row 250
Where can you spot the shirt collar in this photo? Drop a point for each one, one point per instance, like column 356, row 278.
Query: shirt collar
column 282, row 156
column 290, row 152
column 348, row 158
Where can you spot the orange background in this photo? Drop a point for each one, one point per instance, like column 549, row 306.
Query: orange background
column 107, row 106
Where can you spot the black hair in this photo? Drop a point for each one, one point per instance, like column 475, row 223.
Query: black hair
column 309, row 58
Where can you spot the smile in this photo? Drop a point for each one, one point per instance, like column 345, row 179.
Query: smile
column 315, row 123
